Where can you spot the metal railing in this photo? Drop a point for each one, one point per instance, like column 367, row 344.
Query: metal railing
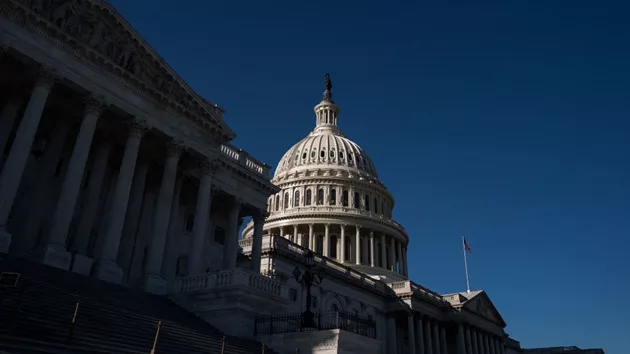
column 288, row 323
column 33, row 310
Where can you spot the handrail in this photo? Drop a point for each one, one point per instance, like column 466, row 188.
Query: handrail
column 242, row 158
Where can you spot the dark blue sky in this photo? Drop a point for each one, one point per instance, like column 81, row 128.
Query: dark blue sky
column 507, row 121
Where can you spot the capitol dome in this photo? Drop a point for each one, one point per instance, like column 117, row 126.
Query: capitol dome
column 332, row 202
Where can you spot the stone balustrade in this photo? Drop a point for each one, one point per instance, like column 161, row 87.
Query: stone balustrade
column 337, row 209
column 407, row 286
column 277, row 243
column 243, row 159
column 228, row 279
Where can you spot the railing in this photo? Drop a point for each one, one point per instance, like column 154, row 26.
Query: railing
column 59, row 317
column 226, row 279
column 336, row 209
column 281, row 244
column 242, row 158
column 288, row 323
column 407, row 286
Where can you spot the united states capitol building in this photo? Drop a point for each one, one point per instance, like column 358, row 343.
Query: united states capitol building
column 115, row 172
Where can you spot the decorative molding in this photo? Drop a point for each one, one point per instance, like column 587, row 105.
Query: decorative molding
column 138, row 127
column 94, row 32
column 94, row 105
column 47, row 77
column 209, row 166
column 174, row 148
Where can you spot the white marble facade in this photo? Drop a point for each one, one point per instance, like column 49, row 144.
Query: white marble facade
column 111, row 166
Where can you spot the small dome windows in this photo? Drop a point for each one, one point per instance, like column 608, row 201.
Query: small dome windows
column 304, row 155
column 322, row 153
column 313, row 154
column 341, row 155
column 332, row 153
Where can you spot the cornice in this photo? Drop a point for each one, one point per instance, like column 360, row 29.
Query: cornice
column 98, row 35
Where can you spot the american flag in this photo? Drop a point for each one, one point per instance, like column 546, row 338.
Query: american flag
column 466, row 247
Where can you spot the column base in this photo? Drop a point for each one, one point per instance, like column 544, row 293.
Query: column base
column 81, row 264
column 5, row 240
column 155, row 284
column 56, row 256
column 108, row 271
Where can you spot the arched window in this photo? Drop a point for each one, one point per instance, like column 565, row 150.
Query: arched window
column 320, row 196
column 309, row 197
column 277, row 203
column 333, row 196
column 286, row 200
column 344, row 198
column 367, row 202
column 357, row 199
column 375, row 205
column 296, row 198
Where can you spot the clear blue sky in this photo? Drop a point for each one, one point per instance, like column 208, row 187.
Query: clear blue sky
column 508, row 121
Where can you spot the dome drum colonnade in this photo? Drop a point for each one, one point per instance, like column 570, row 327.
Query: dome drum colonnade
column 331, row 200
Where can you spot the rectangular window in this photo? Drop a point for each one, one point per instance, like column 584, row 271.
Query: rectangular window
column 293, row 295
column 344, row 198
column 190, row 222
column 219, row 235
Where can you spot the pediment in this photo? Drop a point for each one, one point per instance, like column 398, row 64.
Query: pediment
column 482, row 306
column 94, row 31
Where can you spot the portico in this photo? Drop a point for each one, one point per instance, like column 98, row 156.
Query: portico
column 99, row 159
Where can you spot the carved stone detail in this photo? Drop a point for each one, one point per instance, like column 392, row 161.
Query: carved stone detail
column 210, row 166
column 138, row 127
column 174, row 148
column 92, row 29
column 46, row 77
column 94, row 105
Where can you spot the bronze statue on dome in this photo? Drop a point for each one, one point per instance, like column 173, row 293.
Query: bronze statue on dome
column 328, row 92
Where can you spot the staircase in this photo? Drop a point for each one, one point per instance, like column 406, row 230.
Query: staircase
column 49, row 310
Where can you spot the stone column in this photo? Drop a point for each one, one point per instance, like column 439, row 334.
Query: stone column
column 420, row 341
column 428, row 340
column 436, row 337
column 411, row 334
column 392, row 254
column 492, row 343
column 342, row 245
column 468, row 343
column 231, row 244
column 486, row 347
column 400, row 261
column 326, row 242
column 391, row 336
column 133, row 216
column 259, row 222
column 311, row 242
column 106, row 267
column 383, row 251
column 461, row 346
column 295, row 235
column 372, row 260
column 20, row 150
column 202, row 216
column 479, row 343
column 473, row 342
column 404, row 259
column 90, row 209
column 443, row 343
column 141, row 238
column 172, row 251
column 153, row 281
column 55, row 253
column 357, row 246
column 7, row 119
column 39, row 199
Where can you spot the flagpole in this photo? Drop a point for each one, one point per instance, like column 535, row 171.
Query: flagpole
column 465, row 264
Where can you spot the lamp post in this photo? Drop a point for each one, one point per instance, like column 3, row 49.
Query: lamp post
column 308, row 278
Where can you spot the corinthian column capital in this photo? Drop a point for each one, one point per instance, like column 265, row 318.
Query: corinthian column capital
column 174, row 148
column 94, row 104
column 138, row 127
column 47, row 77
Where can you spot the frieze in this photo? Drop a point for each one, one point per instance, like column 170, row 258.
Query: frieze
column 93, row 30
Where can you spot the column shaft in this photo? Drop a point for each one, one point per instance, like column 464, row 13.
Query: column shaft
column 420, row 349
column 474, row 344
column 358, row 246
column 372, row 260
column 231, row 244
column 7, row 119
column 436, row 337
column 88, row 213
column 383, row 252
column 486, row 347
column 428, row 338
column 443, row 343
column 479, row 343
column 391, row 336
column 392, row 254
column 400, row 261
column 342, row 246
column 295, row 235
column 326, row 240
column 311, row 242
column 161, row 219
column 259, row 222
column 461, row 347
column 133, row 216
column 18, row 155
column 118, row 210
column 55, row 253
column 469, row 347
column 411, row 334
column 39, row 200
column 200, row 226
column 172, row 251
